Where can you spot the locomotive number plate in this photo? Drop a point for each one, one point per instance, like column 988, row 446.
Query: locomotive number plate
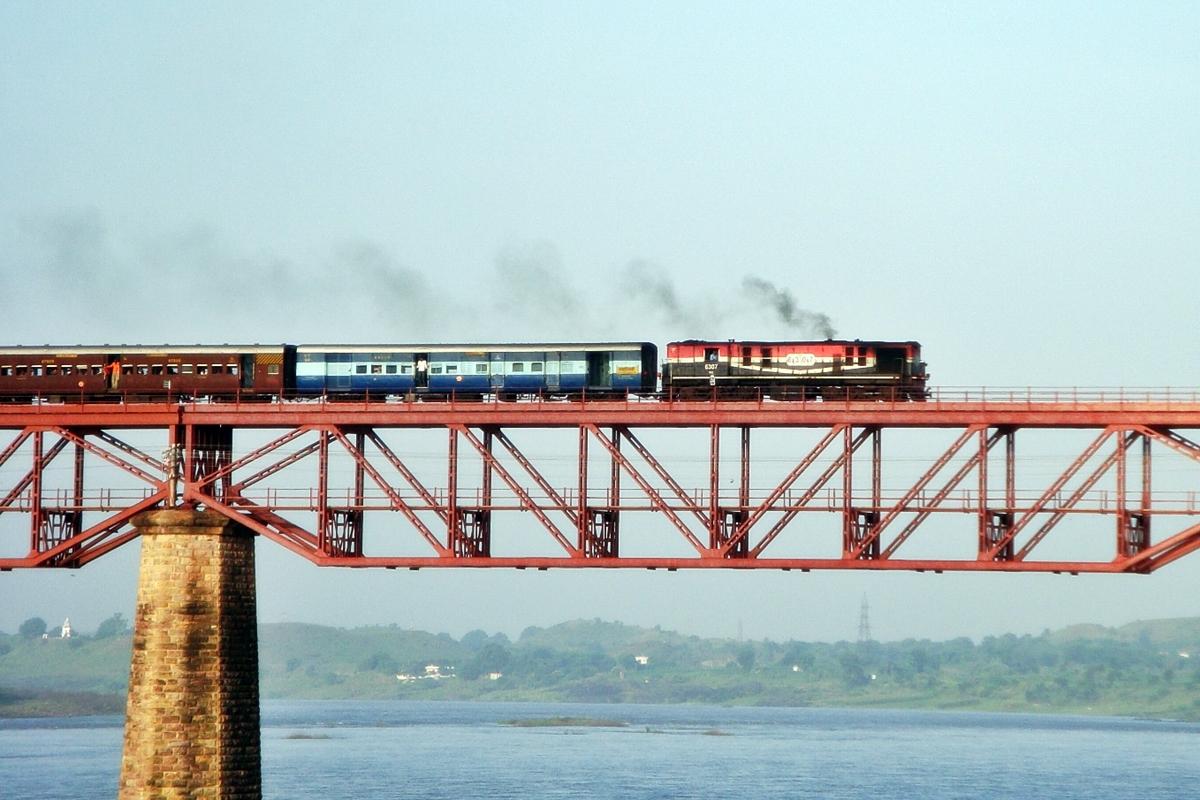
column 801, row 359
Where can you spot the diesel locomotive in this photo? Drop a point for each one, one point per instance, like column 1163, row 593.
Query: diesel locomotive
column 692, row 369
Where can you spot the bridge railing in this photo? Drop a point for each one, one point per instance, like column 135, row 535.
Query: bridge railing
column 937, row 397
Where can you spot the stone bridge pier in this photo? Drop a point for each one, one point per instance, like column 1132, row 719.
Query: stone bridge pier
column 192, row 718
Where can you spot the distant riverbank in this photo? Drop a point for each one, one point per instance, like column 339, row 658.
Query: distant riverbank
column 1146, row 669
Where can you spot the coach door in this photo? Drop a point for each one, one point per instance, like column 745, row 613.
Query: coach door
column 421, row 370
column 338, row 371
column 599, row 369
column 496, row 370
column 552, row 382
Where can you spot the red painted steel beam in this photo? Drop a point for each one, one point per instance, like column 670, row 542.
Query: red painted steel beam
column 1031, row 413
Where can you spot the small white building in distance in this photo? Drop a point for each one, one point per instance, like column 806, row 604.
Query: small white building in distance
column 66, row 628
column 643, row 660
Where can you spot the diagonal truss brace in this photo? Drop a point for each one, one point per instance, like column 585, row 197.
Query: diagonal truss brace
column 943, row 493
column 824, row 478
column 526, row 500
column 913, row 491
column 1041, row 503
column 656, row 498
column 529, row 468
column 1075, row 497
column 743, row 530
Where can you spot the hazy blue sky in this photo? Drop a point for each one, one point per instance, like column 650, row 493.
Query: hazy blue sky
column 1014, row 185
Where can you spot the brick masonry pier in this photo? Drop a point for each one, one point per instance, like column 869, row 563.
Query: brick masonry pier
column 192, row 718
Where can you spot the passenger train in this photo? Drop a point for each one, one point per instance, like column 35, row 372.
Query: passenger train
column 728, row 369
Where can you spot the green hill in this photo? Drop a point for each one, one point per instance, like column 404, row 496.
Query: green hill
column 1149, row 668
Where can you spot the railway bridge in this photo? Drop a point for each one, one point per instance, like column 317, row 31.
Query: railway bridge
column 943, row 484
column 342, row 484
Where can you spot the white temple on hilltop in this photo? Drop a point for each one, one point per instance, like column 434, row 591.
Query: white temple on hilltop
column 66, row 628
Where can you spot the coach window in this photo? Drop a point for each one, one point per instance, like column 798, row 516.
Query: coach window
column 377, row 369
column 360, row 369
column 451, row 369
column 518, row 366
column 767, row 353
column 272, row 369
column 232, row 369
column 36, row 370
column 202, row 369
column 22, row 370
column 96, row 369
column 68, row 369
column 127, row 369
column 172, row 369
column 481, row 369
column 156, row 369
column 535, row 366
column 406, row 369
column 5, row 371
column 435, row 369
column 391, row 369
column 217, row 369
column 187, row 369
column 51, row 369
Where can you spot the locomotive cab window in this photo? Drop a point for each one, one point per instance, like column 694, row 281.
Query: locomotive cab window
column 272, row 369
column 746, row 356
column 711, row 355
column 767, row 356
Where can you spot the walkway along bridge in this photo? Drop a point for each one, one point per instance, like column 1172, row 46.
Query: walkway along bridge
column 79, row 472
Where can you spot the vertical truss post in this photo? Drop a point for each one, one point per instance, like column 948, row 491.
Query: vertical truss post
column 582, row 518
column 744, row 488
column 323, row 493
column 344, row 526
column 984, row 514
column 1133, row 527
column 876, row 468
column 714, row 486
column 858, row 524
column 995, row 525
column 469, row 528
column 35, row 494
column 452, row 488
column 614, row 487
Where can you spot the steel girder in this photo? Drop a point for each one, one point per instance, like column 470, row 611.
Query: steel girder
column 840, row 475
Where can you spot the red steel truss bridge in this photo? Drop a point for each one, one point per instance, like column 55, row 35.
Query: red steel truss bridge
column 1109, row 485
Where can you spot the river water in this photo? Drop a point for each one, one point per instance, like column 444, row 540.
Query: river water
column 331, row 750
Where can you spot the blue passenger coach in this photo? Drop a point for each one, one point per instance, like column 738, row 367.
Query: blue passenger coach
column 477, row 369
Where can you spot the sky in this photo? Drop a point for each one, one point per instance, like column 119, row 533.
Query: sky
column 1014, row 185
